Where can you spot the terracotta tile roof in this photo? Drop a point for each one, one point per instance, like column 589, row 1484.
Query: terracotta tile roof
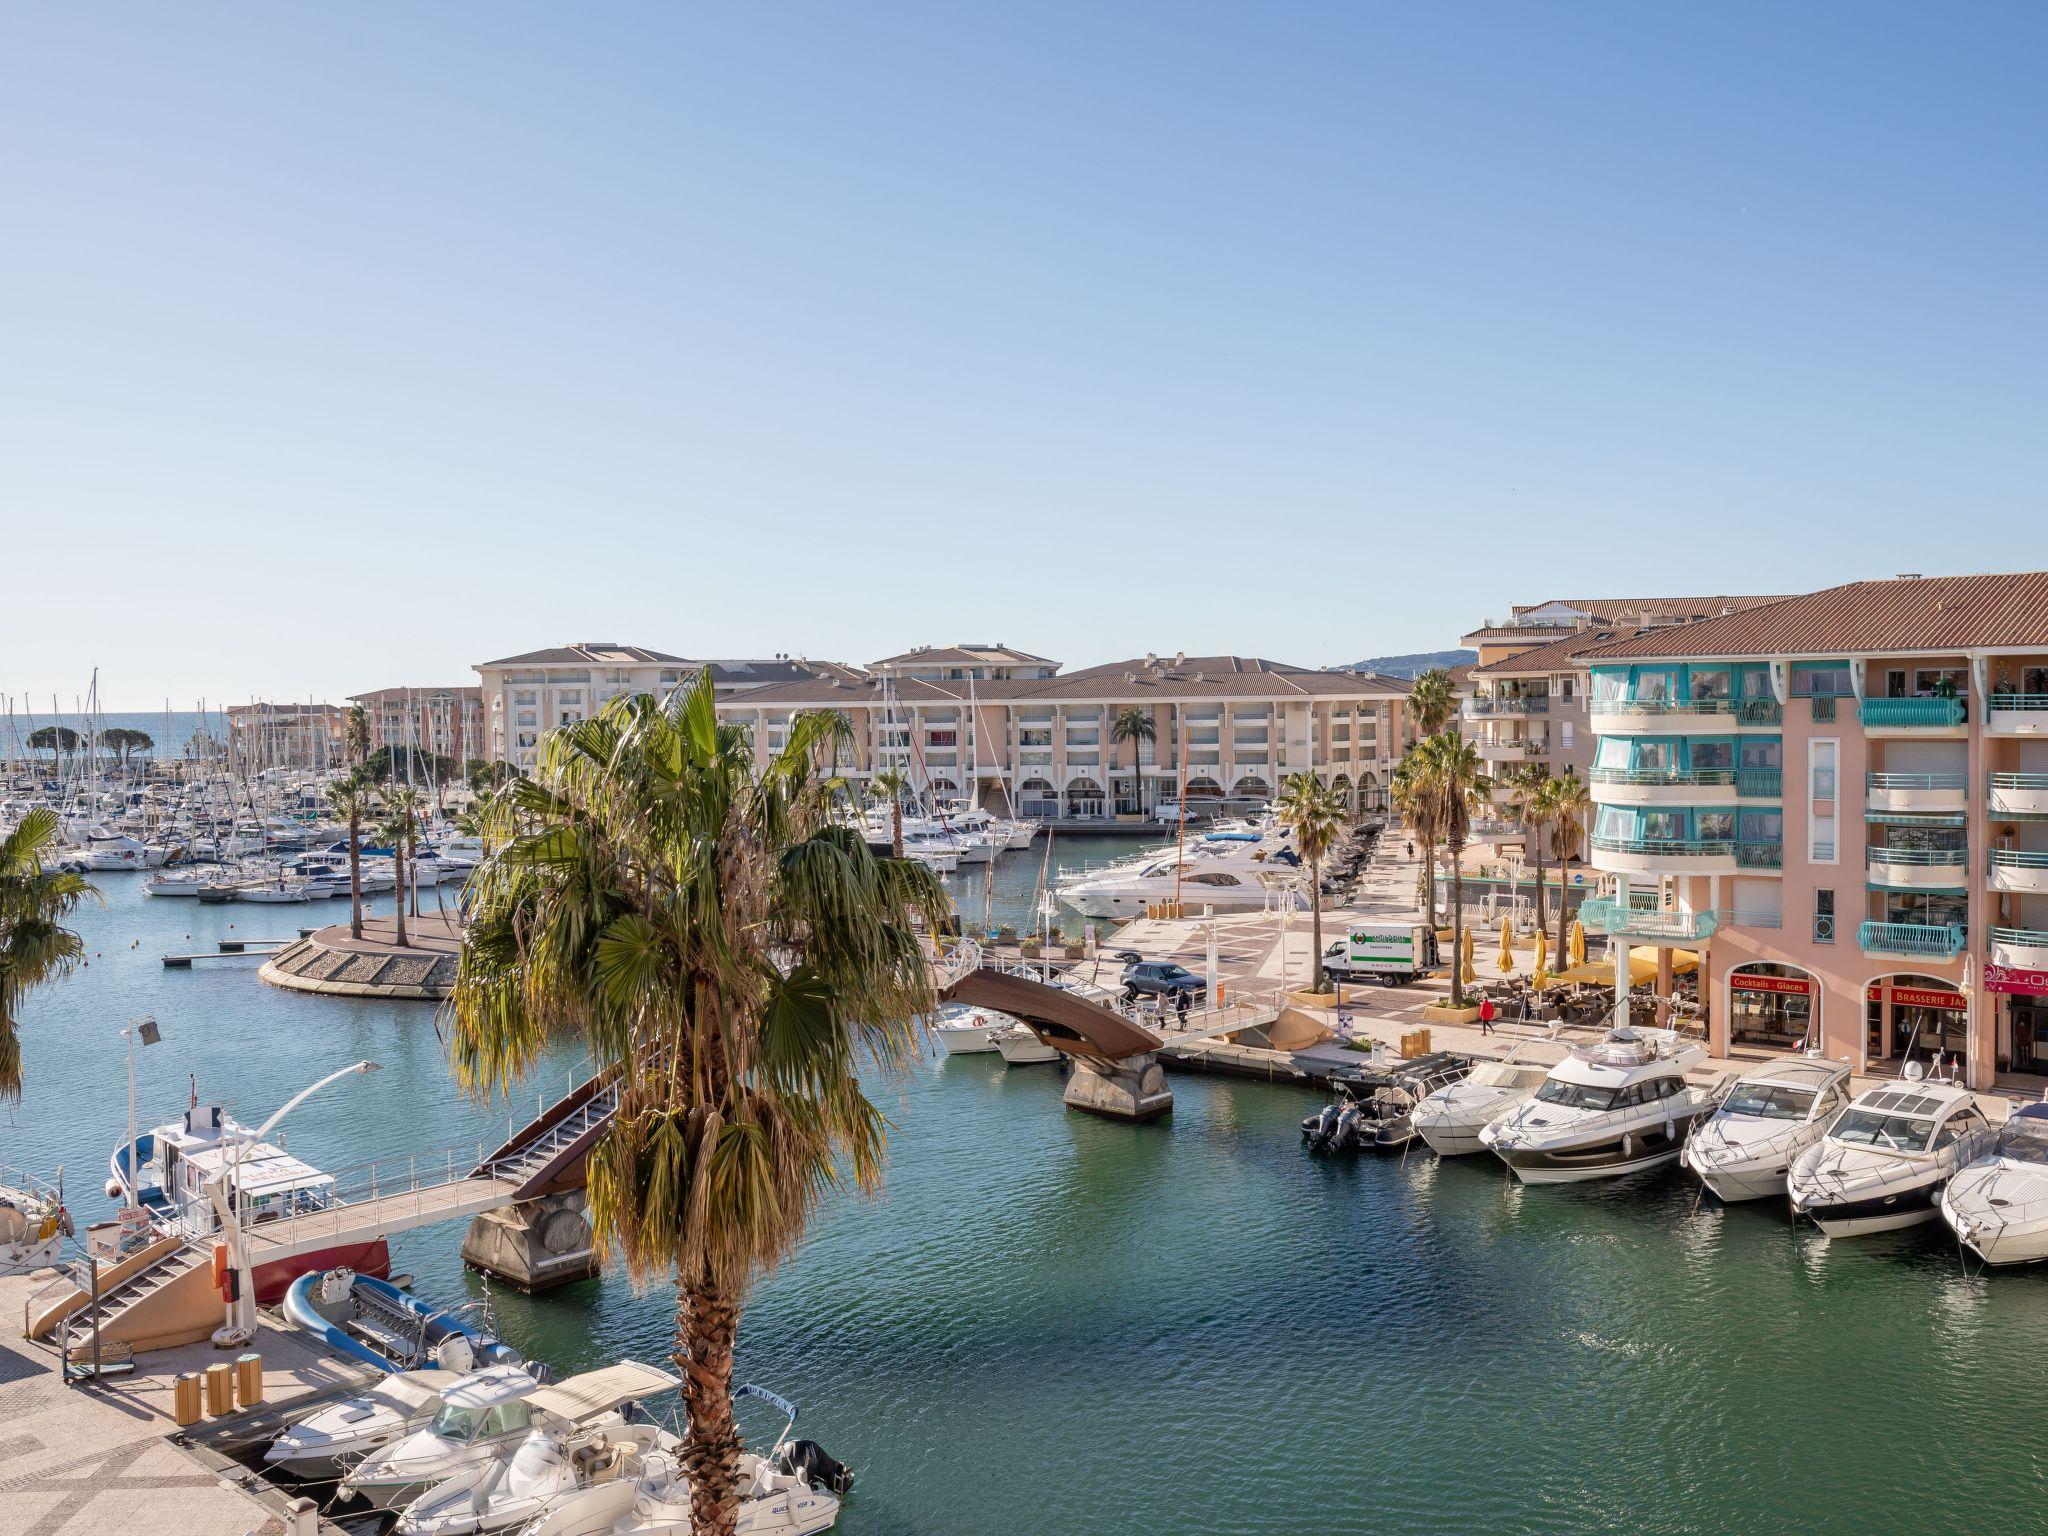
column 965, row 655
column 418, row 695
column 594, row 652
column 1560, row 655
column 1913, row 617
column 1194, row 677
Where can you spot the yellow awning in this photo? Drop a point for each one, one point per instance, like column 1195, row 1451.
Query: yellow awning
column 1642, row 967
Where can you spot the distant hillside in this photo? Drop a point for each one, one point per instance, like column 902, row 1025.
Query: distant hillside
column 1414, row 663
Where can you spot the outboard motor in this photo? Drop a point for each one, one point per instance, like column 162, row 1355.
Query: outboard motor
column 1320, row 1130
column 807, row 1459
column 1346, row 1137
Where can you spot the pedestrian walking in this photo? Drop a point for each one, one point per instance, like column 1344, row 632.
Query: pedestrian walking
column 1485, row 1015
column 1180, row 1006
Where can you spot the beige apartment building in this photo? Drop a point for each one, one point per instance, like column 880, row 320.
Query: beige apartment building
column 443, row 722
column 1015, row 734
column 262, row 736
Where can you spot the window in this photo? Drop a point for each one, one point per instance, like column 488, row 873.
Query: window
column 1713, row 754
column 1895, row 683
column 1823, row 766
column 1709, row 683
column 1823, row 917
column 1821, row 679
column 1940, row 681
column 1567, row 739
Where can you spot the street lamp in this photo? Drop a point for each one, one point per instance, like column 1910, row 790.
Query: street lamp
column 144, row 1030
column 240, row 1326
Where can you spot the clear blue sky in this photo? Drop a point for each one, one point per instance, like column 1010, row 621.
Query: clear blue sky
column 343, row 346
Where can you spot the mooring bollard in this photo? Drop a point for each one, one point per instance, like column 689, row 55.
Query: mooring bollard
column 248, row 1380
column 185, row 1399
column 220, row 1388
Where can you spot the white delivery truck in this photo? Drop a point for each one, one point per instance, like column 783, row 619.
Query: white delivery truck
column 1392, row 953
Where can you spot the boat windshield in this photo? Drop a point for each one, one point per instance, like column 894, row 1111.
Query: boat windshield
column 457, row 1424
column 2024, row 1141
column 1769, row 1101
column 463, row 1425
column 1891, row 1133
column 1576, row 1095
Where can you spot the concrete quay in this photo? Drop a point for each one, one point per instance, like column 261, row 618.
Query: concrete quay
column 106, row 1459
column 333, row 961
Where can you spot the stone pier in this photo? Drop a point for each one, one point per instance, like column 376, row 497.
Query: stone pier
column 1131, row 1089
column 534, row 1246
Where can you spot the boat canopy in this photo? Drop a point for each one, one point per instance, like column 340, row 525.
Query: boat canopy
column 261, row 1169
column 488, row 1389
column 595, row 1392
column 413, row 1390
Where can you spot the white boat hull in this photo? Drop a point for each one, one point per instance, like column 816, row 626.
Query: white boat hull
column 1024, row 1049
column 966, row 1040
column 1553, row 1174
column 1732, row 1185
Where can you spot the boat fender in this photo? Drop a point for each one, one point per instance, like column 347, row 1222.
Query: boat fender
column 1627, row 1144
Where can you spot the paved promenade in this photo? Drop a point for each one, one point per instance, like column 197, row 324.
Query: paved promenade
column 98, row 1460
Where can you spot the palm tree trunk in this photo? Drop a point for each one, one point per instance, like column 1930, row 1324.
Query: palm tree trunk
column 1457, row 926
column 355, row 874
column 1562, row 905
column 1315, row 907
column 398, row 910
column 1536, row 837
column 707, row 1323
column 895, row 826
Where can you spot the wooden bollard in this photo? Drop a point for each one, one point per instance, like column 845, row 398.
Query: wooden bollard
column 248, row 1380
column 185, row 1399
column 220, row 1388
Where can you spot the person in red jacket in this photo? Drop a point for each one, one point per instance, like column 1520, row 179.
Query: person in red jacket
column 1486, row 1015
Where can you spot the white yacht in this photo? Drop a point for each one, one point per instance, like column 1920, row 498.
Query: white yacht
column 340, row 1434
column 1883, row 1163
column 1020, row 1046
column 1771, row 1115
column 792, row 1491
column 1998, row 1204
column 1228, row 876
column 177, row 882
column 33, row 1222
column 1617, row 1107
column 572, row 1473
column 963, row 1030
column 480, row 1420
column 1450, row 1119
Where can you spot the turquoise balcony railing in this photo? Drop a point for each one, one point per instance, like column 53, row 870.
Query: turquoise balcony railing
column 1760, row 855
column 1667, row 847
column 1917, row 939
column 1602, row 915
column 1925, row 858
column 1935, row 713
column 1760, row 712
column 2017, row 858
column 1674, row 776
column 1760, row 783
column 2019, row 781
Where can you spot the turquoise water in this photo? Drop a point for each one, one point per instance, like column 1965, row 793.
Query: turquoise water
column 1018, row 875
column 1052, row 1324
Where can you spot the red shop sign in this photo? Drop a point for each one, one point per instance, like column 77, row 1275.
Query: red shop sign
column 1795, row 986
column 2010, row 978
column 1920, row 997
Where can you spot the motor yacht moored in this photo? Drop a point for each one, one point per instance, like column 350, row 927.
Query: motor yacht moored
column 1450, row 1119
column 964, row 1030
column 480, row 1419
column 338, row 1435
column 1768, row 1117
column 1617, row 1107
column 33, row 1222
column 794, row 1490
column 1998, row 1204
column 1021, row 1046
column 1883, row 1162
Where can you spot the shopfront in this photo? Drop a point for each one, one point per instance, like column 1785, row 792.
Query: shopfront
column 2025, row 995
column 1770, row 1005
column 1916, row 1015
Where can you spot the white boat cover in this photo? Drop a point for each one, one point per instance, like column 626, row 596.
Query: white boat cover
column 595, row 1392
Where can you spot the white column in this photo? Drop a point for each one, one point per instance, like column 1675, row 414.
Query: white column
column 1620, row 950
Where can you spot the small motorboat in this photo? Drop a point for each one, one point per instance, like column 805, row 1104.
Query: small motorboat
column 1450, row 1119
column 1883, row 1162
column 33, row 1222
column 964, row 1030
column 376, row 1322
column 1375, row 1109
column 1998, row 1205
column 794, row 1490
column 1771, row 1115
column 1020, row 1046
column 340, row 1434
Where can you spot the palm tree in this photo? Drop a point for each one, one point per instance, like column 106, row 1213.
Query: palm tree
column 1568, row 800
column 1521, row 791
column 1432, row 700
column 401, row 824
column 355, row 735
column 1136, row 726
column 35, row 946
column 1410, row 791
column 351, row 798
column 731, row 955
column 895, row 786
column 1456, row 781
column 1315, row 814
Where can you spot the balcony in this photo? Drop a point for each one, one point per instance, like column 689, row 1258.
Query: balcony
column 2018, row 794
column 1917, row 869
column 1517, row 751
column 2024, row 949
column 1661, row 855
column 2018, row 869
column 1760, row 855
column 1632, row 717
column 1482, row 709
column 1924, row 793
column 1760, row 783
column 1636, row 925
column 2017, row 714
column 1918, row 941
column 1913, row 716
column 1663, row 786
column 1759, row 712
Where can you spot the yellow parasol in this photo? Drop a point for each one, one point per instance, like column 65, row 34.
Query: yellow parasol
column 1542, row 958
column 1578, row 940
column 1506, row 962
column 1470, row 973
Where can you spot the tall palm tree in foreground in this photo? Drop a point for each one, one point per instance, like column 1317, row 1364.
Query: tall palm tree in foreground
column 1521, row 791
column 1408, row 788
column 731, row 955
column 895, row 786
column 1568, row 801
column 1136, row 726
column 352, row 799
column 1454, row 782
column 1315, row 814
column 35, row 946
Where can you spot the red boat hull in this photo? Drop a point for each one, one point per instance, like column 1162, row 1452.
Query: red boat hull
column 273, row 1280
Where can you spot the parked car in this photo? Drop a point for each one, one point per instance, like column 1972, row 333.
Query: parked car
column 1160, row 978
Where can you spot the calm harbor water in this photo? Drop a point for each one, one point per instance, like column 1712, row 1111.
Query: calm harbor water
column 1052, row 1324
